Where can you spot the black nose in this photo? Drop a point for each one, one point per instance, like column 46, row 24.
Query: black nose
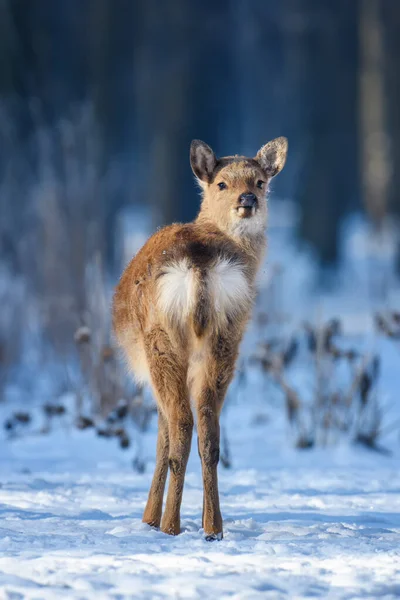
column 248, row 199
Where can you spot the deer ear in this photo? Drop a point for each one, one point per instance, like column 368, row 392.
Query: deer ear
column 202, row 160
column 272, row 156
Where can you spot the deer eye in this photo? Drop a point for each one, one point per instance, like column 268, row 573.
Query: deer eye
column 222, row 185
column 260, row 184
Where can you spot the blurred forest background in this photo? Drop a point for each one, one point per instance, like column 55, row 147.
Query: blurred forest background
column 99, row 100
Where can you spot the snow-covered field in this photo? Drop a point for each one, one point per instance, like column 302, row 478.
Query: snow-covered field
column 320, row 523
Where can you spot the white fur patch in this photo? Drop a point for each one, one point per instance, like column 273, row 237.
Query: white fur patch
column 254, row 225
column 228, row 286
column 226, row 283
column 135, row 356
column 176, row 290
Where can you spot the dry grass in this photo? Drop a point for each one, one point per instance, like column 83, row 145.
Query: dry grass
column 339, row 406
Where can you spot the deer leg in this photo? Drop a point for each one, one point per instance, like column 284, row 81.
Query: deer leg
column 209, row 392
column 180, row 427
column 153, row 510
column 169, row 374
column 201, row 462
column 208, row 428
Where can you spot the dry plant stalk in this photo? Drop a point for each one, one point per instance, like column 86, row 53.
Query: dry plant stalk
column 335, row 408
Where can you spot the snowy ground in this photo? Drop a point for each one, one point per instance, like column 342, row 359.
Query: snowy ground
column 298, row 524
column 321, row 523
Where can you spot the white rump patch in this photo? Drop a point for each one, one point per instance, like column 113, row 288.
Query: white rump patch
column 176, row 289
column 229, row 287
column 226, row 284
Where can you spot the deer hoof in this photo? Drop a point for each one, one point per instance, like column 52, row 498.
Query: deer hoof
column 213, row 537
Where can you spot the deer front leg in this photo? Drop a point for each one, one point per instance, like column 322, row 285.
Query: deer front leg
column 153, row 510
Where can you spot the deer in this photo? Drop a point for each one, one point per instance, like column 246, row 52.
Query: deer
column 180, row 311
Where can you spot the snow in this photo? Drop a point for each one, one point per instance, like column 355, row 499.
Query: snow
column 323, row 523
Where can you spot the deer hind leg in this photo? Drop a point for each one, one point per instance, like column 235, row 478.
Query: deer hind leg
column 153, row 510
column 209, row 391
column 199, row 451
column 169, row 374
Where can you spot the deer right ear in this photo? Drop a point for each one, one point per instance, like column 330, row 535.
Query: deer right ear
column 202, row 160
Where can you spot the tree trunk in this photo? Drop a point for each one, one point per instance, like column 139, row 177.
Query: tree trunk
column 329, row 182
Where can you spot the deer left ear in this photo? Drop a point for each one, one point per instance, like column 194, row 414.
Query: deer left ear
column 272, row 156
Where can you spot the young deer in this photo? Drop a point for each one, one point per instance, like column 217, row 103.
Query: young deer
column 180, row 311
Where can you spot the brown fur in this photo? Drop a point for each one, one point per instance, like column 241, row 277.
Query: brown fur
column 180, row 311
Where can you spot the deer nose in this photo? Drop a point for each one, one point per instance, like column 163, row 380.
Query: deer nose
column 248, row 199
